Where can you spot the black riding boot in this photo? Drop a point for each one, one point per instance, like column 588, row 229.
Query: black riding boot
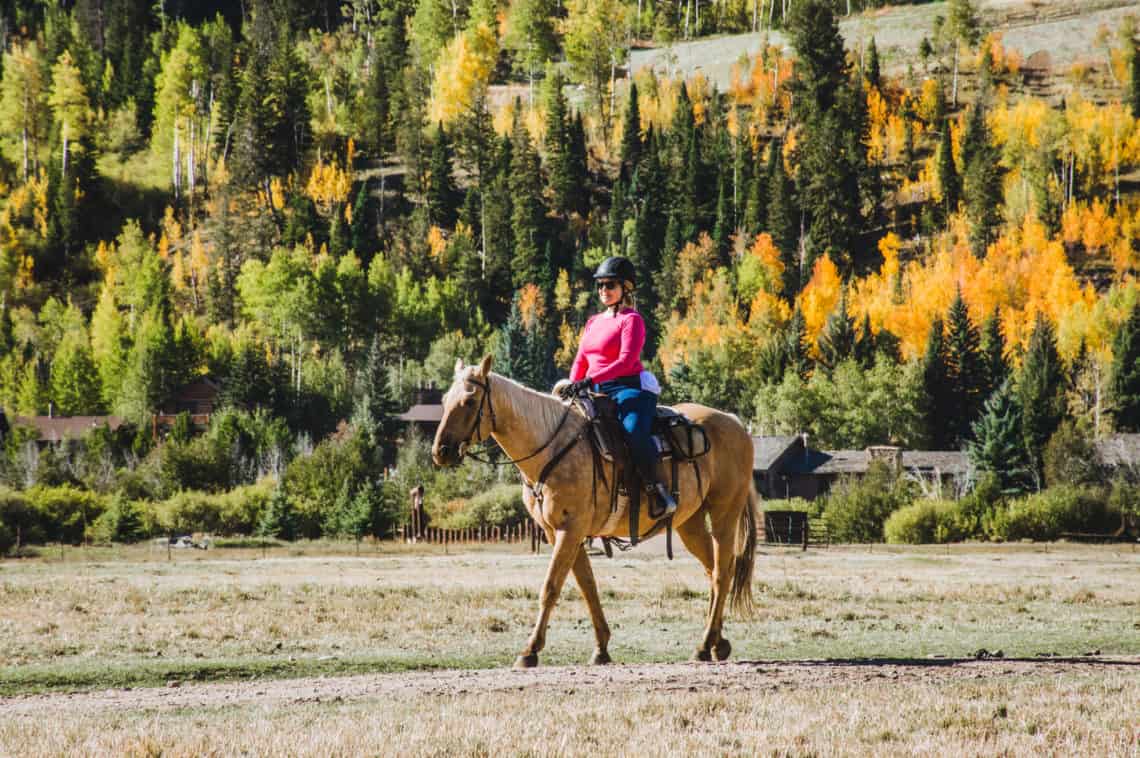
column 655, row 489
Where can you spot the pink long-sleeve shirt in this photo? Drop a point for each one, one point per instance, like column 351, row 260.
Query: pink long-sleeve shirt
column 610, row 347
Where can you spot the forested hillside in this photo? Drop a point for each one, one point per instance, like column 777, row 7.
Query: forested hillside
column 321, row 205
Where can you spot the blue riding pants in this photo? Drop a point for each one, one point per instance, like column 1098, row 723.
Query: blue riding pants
column 635, row 409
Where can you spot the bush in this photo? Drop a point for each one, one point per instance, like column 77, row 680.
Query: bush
column 64, row 513
column 17, row 521
column 1071, row 456
column 925, row 521
column 502, row 505
column 233, row 512
column 125, row 520
column 857, row 507
column 1049, row 513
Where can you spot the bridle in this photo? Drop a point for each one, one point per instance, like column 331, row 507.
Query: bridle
column 486, row 402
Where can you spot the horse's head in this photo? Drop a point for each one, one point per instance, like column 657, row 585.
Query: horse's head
column 467, row 413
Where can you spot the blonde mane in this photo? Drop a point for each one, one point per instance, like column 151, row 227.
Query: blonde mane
column 542, row 408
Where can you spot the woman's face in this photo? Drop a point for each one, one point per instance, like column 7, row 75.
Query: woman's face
column 609, row 291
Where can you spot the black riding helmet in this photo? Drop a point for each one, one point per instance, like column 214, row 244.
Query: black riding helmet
column 617, row 267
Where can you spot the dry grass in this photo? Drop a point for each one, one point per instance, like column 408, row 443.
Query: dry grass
column 135, row 618
column 131, row 618
column 1005, row 710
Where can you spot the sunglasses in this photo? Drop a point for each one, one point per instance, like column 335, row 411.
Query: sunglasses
column 608, row 284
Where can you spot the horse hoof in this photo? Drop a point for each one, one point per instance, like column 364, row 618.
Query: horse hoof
column 600, row 658
column 704, row 656
column 526, row 661
column 722, row 650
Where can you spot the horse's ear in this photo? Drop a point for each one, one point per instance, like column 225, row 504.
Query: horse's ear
column 458, row 366
column 485, row 366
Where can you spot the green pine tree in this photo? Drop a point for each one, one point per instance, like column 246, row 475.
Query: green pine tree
column 630, row 153
column 279, row 519
column 936, row 390
column 948, row 181
column 995, row 368
column 966, row 371
column 75, row 386
column 998, row 445
column 1040, row 391
column 756, row 201
column 873, row 75
column 1134, row 95
column 783, row 219
column 865, row 344
column 821, row 64
column 528, row 213
column 1126, row 374
column 441, row 194
column 837, row 340
column 796, row 343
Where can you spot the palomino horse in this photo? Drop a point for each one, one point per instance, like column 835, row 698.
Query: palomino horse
column 549, row 443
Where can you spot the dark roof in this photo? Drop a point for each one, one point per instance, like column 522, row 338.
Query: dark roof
column 767, row 450
column 945, row 461
column 424, row 414
column 839, row 462
column 1119, row 449
column 57, row 428
column 842, row 462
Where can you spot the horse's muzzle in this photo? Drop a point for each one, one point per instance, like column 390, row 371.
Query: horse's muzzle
column 448, row 455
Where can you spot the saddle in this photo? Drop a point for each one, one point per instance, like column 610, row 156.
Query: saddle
column 677, row 439
column 674, row 434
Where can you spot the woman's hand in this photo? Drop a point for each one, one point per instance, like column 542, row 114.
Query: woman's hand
column 571, row 389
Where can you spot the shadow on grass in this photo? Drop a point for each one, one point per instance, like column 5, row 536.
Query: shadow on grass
column 1082, row 660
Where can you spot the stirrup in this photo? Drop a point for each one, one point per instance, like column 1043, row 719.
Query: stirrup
column 666, row 497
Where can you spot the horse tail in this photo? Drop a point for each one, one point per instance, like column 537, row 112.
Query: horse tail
column 740, row 593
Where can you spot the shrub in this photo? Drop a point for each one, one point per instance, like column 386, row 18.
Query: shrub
column 502, row 505
column 1071, row 456
column 233, row 512
column 925, row 521
column 856, row 508
column 278, row 520
column 17, row 520
column 813, row 508
column 65, row 512
column 125, row 520
column 1049, row 513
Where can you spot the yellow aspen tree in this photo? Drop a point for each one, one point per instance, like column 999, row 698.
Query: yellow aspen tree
column 461, row 73
column 819, row 296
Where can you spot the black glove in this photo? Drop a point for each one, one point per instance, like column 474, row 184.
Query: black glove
column 574, row 388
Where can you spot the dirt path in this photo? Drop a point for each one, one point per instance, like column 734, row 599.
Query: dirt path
column 744, row 675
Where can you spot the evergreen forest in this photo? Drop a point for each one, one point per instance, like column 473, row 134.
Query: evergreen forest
column 321, row 205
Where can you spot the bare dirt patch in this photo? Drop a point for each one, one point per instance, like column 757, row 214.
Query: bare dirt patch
column 769, row 676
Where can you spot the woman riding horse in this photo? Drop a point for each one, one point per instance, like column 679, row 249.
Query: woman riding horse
column 609, row 361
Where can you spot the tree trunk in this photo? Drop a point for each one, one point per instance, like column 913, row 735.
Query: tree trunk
column 954, row 89
column 176, row 163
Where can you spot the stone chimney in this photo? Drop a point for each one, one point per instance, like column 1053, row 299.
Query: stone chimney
column 888, row 454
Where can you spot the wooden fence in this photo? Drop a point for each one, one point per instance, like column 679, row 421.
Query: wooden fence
column 525, row 532
column 793, row 529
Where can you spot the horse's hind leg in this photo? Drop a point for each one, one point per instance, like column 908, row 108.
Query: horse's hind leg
column 584, row 575
column 699, row 541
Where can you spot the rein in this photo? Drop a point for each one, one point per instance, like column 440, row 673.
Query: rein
column 485, row 401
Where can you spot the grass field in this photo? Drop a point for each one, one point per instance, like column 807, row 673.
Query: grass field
column 866, row 648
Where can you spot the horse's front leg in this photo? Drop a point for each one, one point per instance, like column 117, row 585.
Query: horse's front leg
column 567, row 546
column 584, row 575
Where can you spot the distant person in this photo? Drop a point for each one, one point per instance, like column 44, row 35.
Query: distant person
column 419, row 517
